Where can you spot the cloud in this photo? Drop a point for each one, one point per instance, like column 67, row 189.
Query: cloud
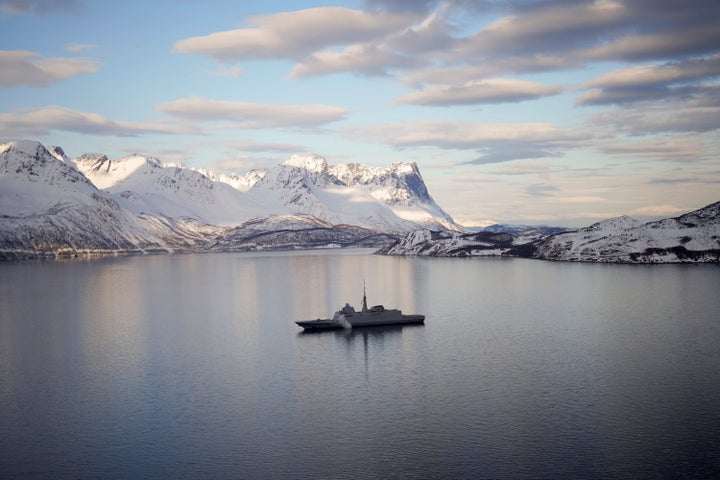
column 546, row 27
column 294, row 34
column 663, row 211
column 24, row 68
column 401, row 49
column 523, row 168
column 78, row 47
column 495, row 142
column 541, row 190
column 38, row 7
column 673, row 115
column 652, row 81
column 525, row 36
column 679, row 180
column 599, row 30
column 705, row 38
column 692, row 69
column 367, row 59
column 401, row 5
column 470, row 73
column 677, row 148
column 41, row 121
column 491, row 90
column 252, row 115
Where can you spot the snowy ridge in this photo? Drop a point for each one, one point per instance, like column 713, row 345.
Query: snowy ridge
column 392, row 199
column 693, row 237
column 690, row 238
column 447, row 243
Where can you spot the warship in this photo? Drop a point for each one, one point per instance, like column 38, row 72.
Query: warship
column 348, row 317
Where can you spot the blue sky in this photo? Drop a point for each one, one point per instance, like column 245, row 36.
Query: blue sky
column 556, row 112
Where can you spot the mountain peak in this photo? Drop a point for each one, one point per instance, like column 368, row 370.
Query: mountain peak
column 105, row 173
column 27, row 147
column 310, row 162
column 405, row 168
column 617, row 223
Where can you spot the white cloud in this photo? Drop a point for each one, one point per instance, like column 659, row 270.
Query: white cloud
column 24, row 68
column 491, row 90
column 494, row 142
column 705, row 37
column 252, row 115
column 548, row 27
column 294, row 34
column 469, row 73
column 367, row 59
column 40, row 121
column 668, row 73
column 680, row 79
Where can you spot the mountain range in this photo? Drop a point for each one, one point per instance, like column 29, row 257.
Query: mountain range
column 52, row 206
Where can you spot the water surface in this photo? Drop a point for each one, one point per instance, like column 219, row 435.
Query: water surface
column 190, row 366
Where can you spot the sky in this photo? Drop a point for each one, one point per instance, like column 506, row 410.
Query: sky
column 519, row 111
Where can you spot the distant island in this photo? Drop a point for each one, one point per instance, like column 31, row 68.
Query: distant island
column 55, row 207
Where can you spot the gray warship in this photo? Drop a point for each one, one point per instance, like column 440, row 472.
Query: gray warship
column 348, row 317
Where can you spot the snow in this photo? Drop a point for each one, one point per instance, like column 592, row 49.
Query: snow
column 137, row 203
column 693, row 237
column 624, row 239
column 311, row 162
column 51, row 205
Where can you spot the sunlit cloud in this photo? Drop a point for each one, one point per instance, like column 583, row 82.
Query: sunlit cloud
column 658, row 211
column 368, row 59
column 644, row 82
column 252, row 115
column 42, row 121
column 293, row 34
column 470, row 73
column 492, row 90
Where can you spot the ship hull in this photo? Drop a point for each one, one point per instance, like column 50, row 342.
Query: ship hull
column 360, row 321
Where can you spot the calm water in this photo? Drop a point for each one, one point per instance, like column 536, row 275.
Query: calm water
column 189, row 366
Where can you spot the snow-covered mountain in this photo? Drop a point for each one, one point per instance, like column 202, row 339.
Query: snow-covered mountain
column 391, row 199
column 49, row 208
column 51, row 205
column 693, row 237
column 445, row 243
column 146, row 185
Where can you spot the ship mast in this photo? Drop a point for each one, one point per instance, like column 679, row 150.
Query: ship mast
column 364, row 305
